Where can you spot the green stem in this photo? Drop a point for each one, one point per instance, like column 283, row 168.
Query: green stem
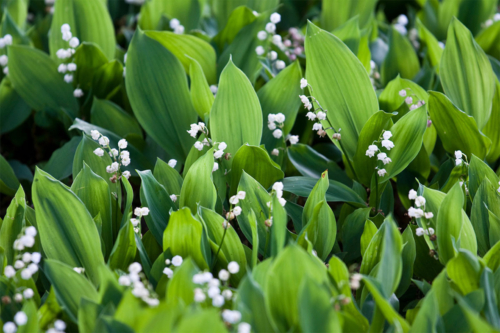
column 220, row 246
column 376, row 194
column 267, row 241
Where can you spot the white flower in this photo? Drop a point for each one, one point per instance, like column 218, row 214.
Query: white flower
column 6, row 70
column 417, row 213
column 173, row 197
column 408, row 100
column 227, row 294
column 241, row 195
column 402, row 19
column 62, row 54
column 195, row 128
column 458, row 154
column 420, row 201
column 198, row 145
column 321, row 115
column 68, row 78
column 27, row 241
column 71, row 67
column 18, row 298
column 214, row 283
column 282, row 201
column 213, row 89
column 18, row 264
column 66, row 36
column 174, row 23
column 381, row 156
column 317, row 127
column 30, row 231
column 278, row 186
column 496, row 17
column 430, row 230
column 233, row 200
column 401, row 29
column 230, row 316
column 354, row 281
column 458, row 161
column 275, row 152
column 122, row 144
column 62, row 68
column 74, row 42
column 28, row 293
column 104, row 141
column 79, row 270
column 179, row 30
column 271, row 117
column 259, row 50
column 26, row 257
column 218, row 301
column 275, row 18
column 177, row 261
column 213, row 291
column 168, row 272
column 78, row 93
column 277, row 39
column 21, row 318
column 113, row 153
column 244, row 328
column 413, row 107
column 199, row 295
column 26, row 274
column 412, row 195
column 9, row 327
column 277, row 133
column 402, row 93
column 95, row 134
column 271, row 126
column 419, row 232
column 387, row 135
column 387, row 160
column 135, row 268
column 388, row 144
column 280, row 118
column 303, row 83
column 237, row 210
column 218, row 153
column 223, row 275
column 311, row 115
column 59, row 325
column 65, row 27
column 233, row 267
column 18, row 245
column 271, row 27
column 293, row 139
column 125, row 161
column 33, row 268
column 135, row 222
column 262, row 35
column 124, row 280
column 272, row 55
column 215, row 167
column 382, row 172
column 7, row 39
column 9, row 271
column 36, row 257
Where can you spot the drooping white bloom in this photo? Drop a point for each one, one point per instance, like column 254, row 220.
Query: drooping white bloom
column 26, row 274
column 233, row 200
column 259, row 50
column 198, row 145
column 18, row 264
column 271, row 28
column 30, row 231
column 227, row 294
column 177, row 261
column 28, row 293
column 135, row 268
column 278, row 186
column 408, row 100
column 126, row 174
column 199, row 295
column 241, row 195
column 144, row 211
column 179, row 30
column 293, row 139
column 33, row 268
column 113, row 152
column 321, row 115
column 402, row 93
column 412, row 195
column 414, row 212
column 244, row 328
column 65, row 28
column 496, row 17
column 213, row 89
column 262, row 35
column 458, row 161
column 218, row 301
column 271, row 125
column 280, row 118
column 311, row 115
column 275, row 152
column 122, row 144
column 458, row 154
column 124, row 154
column 218, row 153
column 237, row 210
column 419, row 232
column 36, row 257
column 275, row 18
column 4, row 60
column 26, row 257
column 303, row 83
column 66, row 36
column 223, row 275
column 215, row 167
column 9, row 271
column 354, row 282
column 272, row 55
column 401, row 29
column 7, row 39
column 62, row 68
column 6, row 70
column 59, row 325
column 135, row 222
column 431, row 231
column 174, row 23
column 195, row 128
column 428, row 215
column 277, row 39
column 71, row 67
column 317, row 127
column 382, row 172
column 387, row 135
column 388, row 144
column 168, row 272
column 95, row 134
column 230, row 316
column 282, row 201
column 278, row 133
column 420, row 201
column 27, row 241
column 18, row 298
column 62, row 54
column 9, row 327
column 213, row 291
column 78, row 93
column 402, row 19
column 138, row 211
column 74, row 42
column 233, row 267
column 79, row 270
column 381, row 156
column 68, row 78
column 124, row 280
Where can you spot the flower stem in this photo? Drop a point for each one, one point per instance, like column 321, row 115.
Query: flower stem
column 218, row 250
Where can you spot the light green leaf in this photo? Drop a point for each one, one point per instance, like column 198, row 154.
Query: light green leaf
column 489, row 40
column 466, row 74
column 338, row 79
column 11, row 226
column 465, row 271
column 434, row 50
column 158, row 91
column 369, row 231
column 188, row 12
column 408, row 255
column 390, row 100
column 334, row 13
column 66, row 228
column 278, row 228
column 492, row 128
column 400, row 60
column 478, row 170
column 168, row 177
column 8, row 180
column 201, row 95
column 90, row 58
column 110, row 116
column 239, row 17
column 124, row 250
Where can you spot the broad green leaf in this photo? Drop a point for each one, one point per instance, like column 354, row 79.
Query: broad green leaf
column 35, row 78
column 207, row 321
column 66, row 228
column 30, row 309
column 107, row 80
column 168, row 177
column 478, row 170
column 492, row 128
column 110, row 116
column 256, row 162
column 434, row 50
column 201, row 95
column 353, row 229
column 489, row 40
column 465, row 271
column 13, row 109
column 292, row 266
column 428, row 315
column 407, row 135
column 236, row 115
column 280, row 95
column 492, row 257
column 466, row 74
column 278, row 229
column 334, row 13
column 11, row 226
column 89, row 21
column 223, row 9
column 124, row 250
column 155, row 197
column 69, row 286
column 90, row 58
column 198, row 187
column 350, row 34
column 188, row 12
column 450, row 224
column 369, row 231
column 390, row 100
column 400, row 60
column 93, row 191
column 456, row 129
column 239, row 17
column 187, row 47
column 337, row 192
column 158, row 91
column 338, row 79
column 60, row 164
column 8, row 180
column 408, row 255
column 491, row 308
column 184, row 236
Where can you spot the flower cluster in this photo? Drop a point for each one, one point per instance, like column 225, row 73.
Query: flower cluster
column 58, row 327
column 460, row 158
column 489, row 22
column 234, row 200
column 419, row 212
column 20, row 319
column 275, row 123
column 119, row 156
column 355, row 281
column 401, row 23
column 141, row 288
column 210, row 286
column 411, row 100
column 373, row 148
column 195, row 128
column 139, row 212
column 293, row 44
column 176, row 261
column 26, row 262
column 278, row 190
column 176, row 26
column 68, row 67
column 270, row 34
column 4, row 41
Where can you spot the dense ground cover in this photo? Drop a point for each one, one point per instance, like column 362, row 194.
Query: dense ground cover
column 250, row 166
